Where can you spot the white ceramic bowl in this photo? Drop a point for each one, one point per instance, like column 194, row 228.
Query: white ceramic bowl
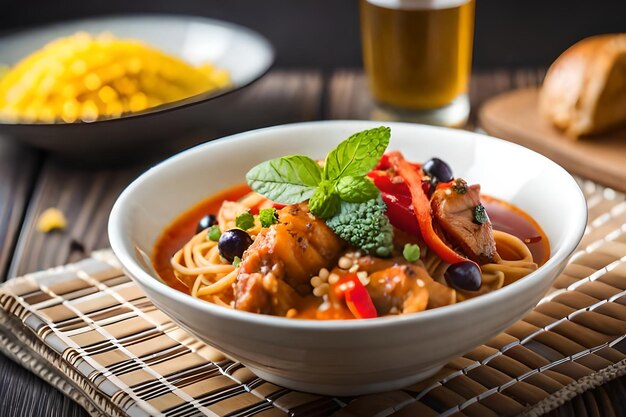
column 348, row 357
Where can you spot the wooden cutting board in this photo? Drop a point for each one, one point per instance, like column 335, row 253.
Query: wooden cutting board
column 514, row 116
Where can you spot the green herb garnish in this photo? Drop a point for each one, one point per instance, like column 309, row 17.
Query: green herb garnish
column 480, row 214
column 411, row 252
column 459, row 186
column 287, row 180
column 245, row 221
column 268, row 217
column 296, row 178
column 214, row 233
column 356, row 189
column 357, row 155
column 236, row 261
column 324, row 202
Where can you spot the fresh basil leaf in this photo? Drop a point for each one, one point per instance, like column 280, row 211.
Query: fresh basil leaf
column 325, row 202
column 286, row 180
column 356, row 189
column 357, row 155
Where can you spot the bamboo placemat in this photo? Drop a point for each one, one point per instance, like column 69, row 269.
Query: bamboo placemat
column 87, row 329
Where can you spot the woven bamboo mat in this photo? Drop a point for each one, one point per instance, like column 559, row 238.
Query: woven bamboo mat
column 88, row 330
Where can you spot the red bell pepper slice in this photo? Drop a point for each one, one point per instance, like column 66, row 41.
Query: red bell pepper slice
column 397, row 197
column 388, row 184
column 400, row 212
column 422, row 210
column 358, row 300
column 384, row 164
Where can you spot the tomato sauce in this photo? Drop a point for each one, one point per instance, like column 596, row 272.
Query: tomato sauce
column 507, row 218
column 183, row 228
column 504, row 217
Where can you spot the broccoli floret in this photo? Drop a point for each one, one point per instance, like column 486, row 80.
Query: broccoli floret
column 365, row 226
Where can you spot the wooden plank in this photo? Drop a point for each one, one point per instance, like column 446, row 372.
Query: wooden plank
column 25, row 395
column 18, row 170
column 86, row 198
column 86, row 195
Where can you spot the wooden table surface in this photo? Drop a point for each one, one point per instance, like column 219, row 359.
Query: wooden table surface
column 31, row 181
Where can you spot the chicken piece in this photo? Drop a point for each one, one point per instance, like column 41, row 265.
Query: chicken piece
column 265, row 294
column 406, row 287
column 454, row 213
column 276, row 269
column 397, row 289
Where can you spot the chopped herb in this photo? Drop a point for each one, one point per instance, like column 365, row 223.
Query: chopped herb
column 296, row 178
column 214, row 233
column 480, row 214
column 411, row 252
column 236, row 261
column 459, row 186
column 245, row 221
column 268, row 217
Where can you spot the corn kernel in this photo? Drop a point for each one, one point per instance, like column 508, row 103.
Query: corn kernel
column 97, row 72
column 51, row 219
column 92, row 82
column 107, row 94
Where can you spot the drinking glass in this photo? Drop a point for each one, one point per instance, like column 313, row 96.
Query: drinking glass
column 417, row 56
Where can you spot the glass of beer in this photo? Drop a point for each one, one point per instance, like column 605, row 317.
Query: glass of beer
column 418, row 57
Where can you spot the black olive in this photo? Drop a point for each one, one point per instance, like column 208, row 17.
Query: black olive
column 438, row 169
column 464, row 276
column 206, row 222
column 233, row 242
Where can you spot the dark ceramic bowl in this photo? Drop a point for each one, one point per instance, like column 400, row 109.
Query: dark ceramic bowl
column 245, row 54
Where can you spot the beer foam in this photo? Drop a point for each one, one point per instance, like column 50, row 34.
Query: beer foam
column 417, row 4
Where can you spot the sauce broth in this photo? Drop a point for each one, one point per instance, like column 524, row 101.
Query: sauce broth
column 504, row 217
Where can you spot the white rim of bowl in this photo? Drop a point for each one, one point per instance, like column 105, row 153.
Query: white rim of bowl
column 571, row 239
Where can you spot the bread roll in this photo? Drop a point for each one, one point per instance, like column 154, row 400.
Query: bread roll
column 584, row 91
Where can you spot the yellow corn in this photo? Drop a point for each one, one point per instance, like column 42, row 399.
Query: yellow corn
column 82, row 77
column 51, row 219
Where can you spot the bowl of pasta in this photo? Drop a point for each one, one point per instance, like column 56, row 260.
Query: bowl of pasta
column 344, row 257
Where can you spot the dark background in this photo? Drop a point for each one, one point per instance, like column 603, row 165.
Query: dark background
column 325, row 33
